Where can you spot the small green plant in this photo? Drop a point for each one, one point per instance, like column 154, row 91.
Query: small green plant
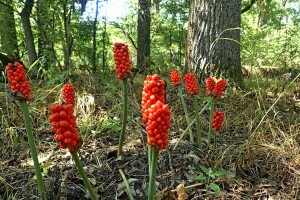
column 208, row 176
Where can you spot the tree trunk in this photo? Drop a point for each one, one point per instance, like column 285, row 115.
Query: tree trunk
column 212, row 42
column 104, row 37
column 263, row 16
column 143, row 53
column 68, row 36
column 94, row 53
column 8, row 33
column 45, row 33
column 157, row 5
column 29, row 41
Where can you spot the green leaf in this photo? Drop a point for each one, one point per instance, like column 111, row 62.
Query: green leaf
column 200, row 178
column 214, row 187
column 221, row 172
column 204, row 169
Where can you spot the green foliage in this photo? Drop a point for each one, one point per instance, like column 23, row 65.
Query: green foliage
column 208, row 176
column 276, row 42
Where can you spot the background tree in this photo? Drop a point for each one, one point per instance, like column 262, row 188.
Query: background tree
column 213, row 38
column 8, row 34
column 143, row 29
column 29, row 39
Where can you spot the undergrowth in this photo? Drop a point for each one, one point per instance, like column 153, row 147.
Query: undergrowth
column 259, row 143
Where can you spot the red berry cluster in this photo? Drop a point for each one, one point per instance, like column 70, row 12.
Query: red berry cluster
column 18, row 81
column 158, row 125
column 63, row 124
column 219, row 88
column 153, row 91
column 217, row 120
column 155, row 112
column 175, row 77
column 122, row 61
column 215, row 87
column 210, row 84
column 190, row 83
column 68, row 94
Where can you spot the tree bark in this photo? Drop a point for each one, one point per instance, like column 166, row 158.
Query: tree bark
column 29, row 40
column 94, row 53
column 143, row 52
column 8, row 33
column 68, row 36
column 213, row 40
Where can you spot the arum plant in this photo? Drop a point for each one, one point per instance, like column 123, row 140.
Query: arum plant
column 157, row 116
column 216, row 122
column 20, row 90
column 214, row 88
column 63, row 123
column 123, row 67
column 176, row 79
column 192, row 88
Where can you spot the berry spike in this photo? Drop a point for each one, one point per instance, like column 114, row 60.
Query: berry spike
column 217, row 120
column 68, row 94
column 158, row 125
column 190, row 83
column 122, row 61
column 63, row 122
column 18, row 81
column 175, row 78
column 210, row 84
column 219, row 88
column 153, row 91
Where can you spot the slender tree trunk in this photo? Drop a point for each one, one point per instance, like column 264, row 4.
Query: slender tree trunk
column 94, row 56
column 143, row 53
column 68, row 36
column 104, row 53
column 8, row 33
column 212, row 41
column 45, row 33
column 157, row 5
column 263, row 16
column 29, row 40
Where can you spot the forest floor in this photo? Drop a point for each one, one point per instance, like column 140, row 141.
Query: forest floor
column 258, row 147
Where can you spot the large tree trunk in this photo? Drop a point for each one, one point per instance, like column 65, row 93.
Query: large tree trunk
column 212, row 42
column 29, row 41
column 143, row 52
column 8, row 33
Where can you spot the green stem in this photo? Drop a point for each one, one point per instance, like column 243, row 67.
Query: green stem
column 199, row 132
column 187, row 118
column 124, row 119
column 190, row 125
column 84, row 177
column 126, row 183
column 215, row 140
column 34, row 155
column 151, row 187
column 210, row 120
column 150, row 154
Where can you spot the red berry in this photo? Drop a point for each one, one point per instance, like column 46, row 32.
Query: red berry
column 68, row 94
column 175, row 78
column 190, row 83
column 122, row 61
column 217, row 120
